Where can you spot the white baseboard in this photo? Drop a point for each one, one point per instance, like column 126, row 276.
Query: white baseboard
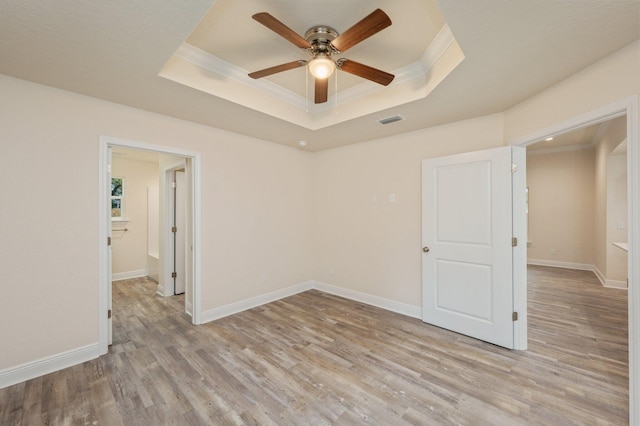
column 616, row 284
column 600, row 275
column 582, row 267
column 40, row 367
column 129, row 274
column 243, row 305
column 558, row 264
column 380, row 302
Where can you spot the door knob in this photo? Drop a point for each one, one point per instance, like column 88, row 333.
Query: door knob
column 425, row 249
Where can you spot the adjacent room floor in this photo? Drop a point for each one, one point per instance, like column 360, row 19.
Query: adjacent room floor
column 316, row 359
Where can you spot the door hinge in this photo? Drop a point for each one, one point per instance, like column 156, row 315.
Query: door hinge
column 109, row 314
column 173, row 184
column 514, row 168
column 108, row 241
column 514, row 316
column 174, row 229
column 514, row 242
column 174, row 275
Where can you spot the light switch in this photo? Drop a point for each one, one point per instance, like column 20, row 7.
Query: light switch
column 392, row 198
column 620, row 224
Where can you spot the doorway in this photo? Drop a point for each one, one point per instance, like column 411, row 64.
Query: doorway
column 190, row 163
column 628, row 107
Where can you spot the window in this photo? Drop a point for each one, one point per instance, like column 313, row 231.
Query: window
column 117, row 198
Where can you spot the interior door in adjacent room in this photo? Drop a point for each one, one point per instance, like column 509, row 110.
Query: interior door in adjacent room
column 179, row 234
column 467, row 234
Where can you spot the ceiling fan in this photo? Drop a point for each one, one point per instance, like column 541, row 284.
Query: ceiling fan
column 322, row 42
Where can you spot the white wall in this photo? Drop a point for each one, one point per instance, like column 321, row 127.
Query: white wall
column 257, row 207
column 561, row 207
column 129, row 249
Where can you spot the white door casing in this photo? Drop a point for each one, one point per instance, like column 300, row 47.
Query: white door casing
column 467, row 230
column 104, row 203
column 109, row 254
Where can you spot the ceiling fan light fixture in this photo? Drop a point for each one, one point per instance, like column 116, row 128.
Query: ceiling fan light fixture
column 321, row 66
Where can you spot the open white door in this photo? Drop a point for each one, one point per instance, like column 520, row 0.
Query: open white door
column 467, row 276
column 179, row 240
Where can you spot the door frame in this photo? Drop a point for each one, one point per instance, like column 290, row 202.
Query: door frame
column 103, row 223
column 628, row 106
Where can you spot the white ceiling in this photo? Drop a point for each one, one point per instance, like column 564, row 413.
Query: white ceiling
column 115, row 50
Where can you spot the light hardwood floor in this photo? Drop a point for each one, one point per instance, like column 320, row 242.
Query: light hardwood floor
column 315, row 359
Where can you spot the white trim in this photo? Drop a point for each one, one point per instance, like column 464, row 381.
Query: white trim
column 380, row 302
column 253, row 302
column 519, row 252
column 196, row 307
column 633, row 196
column 103, row 268
column 559, row 264
column 622, row 285
column 160, row 290
column 50, row 364
column 599, row 274
column 628, row 106
column 129, row 274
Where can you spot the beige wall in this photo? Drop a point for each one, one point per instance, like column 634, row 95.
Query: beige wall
column 257, row 207
column 129, row 249
column 561, row 206
column 375, row 247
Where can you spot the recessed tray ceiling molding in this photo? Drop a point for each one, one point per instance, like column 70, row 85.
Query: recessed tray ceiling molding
column 203, row 71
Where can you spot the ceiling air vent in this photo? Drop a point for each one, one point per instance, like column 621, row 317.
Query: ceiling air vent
column 391, row 119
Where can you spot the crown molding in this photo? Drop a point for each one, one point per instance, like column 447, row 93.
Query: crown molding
column 415, row 70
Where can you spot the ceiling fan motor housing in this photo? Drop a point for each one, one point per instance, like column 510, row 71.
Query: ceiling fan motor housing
column 320, row 38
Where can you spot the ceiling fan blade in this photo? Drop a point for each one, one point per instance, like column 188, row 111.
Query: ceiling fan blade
column 368, row 26
column 321, row 90
column 278, row 68
column 281, row 29
column 365, row 71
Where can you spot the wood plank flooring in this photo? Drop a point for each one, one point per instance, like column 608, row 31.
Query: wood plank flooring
column 319, row 359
